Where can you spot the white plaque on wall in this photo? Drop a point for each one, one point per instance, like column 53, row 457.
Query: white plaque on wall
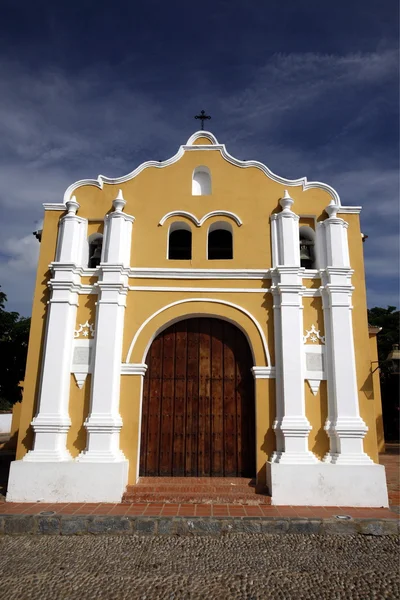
column 82, row 355
column 314, row 362
column 81, row 360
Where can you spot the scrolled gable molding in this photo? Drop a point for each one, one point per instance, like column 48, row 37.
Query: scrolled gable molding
column 133, row 369
column 199, row 222
column 190, row 146
column 263, row 372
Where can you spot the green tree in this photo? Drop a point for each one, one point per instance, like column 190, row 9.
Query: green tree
column 14, row 335
column 389, row 319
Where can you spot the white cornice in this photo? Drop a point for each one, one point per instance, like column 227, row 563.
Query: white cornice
column 199, row 222
column 350, row 210
column 213, row 146
column 180, row 289
column 168, row 273
column 54, row 206
column 207, row 274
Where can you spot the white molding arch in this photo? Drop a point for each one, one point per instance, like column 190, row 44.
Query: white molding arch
column 199, row 222
column 214, row 146
column 208, row 300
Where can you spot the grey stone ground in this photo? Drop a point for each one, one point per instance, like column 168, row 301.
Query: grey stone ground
column 233, row 566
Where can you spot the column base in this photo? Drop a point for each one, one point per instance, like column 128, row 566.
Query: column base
column 325, row 484
column 336, row 458
column 48, row 456
column 88, row 456
column 67, row 482
column 294, row 458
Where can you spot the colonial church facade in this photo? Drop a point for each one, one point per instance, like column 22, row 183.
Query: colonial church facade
column 200, row 317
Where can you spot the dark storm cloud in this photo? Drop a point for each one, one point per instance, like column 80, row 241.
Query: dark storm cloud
column 87, row 88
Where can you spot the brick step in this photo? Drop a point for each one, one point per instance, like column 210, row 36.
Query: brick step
column 205, row 489
column 191, row 481
column 195, row 498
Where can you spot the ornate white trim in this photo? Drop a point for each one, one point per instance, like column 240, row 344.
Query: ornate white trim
column 178, row 273
column 80, row 378
column 263, row 372
column 350, row 210
column 313, row 335
column 53, row 206
column 199, row 222
column 211, row 301
column 214, row 146
column 133, row 369
column 314, row 385
column 202, row 134
column 311, row 293
column 151, row 288
column 84, row 328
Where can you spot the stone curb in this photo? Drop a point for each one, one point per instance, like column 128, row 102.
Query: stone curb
column 133, row 525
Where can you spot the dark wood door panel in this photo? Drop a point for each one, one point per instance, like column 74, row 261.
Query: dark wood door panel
column 198, row 416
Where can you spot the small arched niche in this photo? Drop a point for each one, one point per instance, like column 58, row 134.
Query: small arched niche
column 201, row 181
column 179, row 241
column 307, row 247
column 220, row 241
column 95, row 242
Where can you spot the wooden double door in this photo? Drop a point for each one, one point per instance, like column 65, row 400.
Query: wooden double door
column 198, row 413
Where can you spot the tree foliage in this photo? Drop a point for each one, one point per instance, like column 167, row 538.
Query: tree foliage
column 14, row 335
column 389, row 319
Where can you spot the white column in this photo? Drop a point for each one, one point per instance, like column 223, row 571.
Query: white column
column 104, row 422
column 345, row 427
column 52, row 422
column 291, row 426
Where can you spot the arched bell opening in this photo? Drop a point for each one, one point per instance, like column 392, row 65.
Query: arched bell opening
column 220, row 241
column 179, row 241
column 95, row 242
column 307, row 247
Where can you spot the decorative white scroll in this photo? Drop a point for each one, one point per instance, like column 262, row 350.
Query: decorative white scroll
column 85, row 330
column 313, row 335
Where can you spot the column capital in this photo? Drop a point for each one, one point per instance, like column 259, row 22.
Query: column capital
column 133, row 369
column 263, row 372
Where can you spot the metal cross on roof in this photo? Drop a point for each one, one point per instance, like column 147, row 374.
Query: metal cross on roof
column 203, row 117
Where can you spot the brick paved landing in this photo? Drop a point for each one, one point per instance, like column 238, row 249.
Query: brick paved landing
column 197, row 490
column 194, row 510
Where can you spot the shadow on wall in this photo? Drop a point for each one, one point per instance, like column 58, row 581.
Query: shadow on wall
column 81, row 438
column 27, row 441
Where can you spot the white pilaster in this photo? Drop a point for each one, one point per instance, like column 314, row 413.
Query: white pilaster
column 291, row 426
column 345, row 427
column 104, row 422
column 52, row 421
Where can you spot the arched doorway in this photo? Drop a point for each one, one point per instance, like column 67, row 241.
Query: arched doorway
column 198, row 413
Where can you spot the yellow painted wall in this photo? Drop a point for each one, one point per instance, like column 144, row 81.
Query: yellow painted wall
column 361, row 337
column 79, row 405
column 250, row 194
column 376, row 391
column 37, row 331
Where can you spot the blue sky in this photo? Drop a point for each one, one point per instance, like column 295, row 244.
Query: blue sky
column 309, row 88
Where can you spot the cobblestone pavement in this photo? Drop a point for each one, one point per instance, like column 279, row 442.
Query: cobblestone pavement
column 230, row 567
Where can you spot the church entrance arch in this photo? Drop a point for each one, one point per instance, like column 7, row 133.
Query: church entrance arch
column 198, row 412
